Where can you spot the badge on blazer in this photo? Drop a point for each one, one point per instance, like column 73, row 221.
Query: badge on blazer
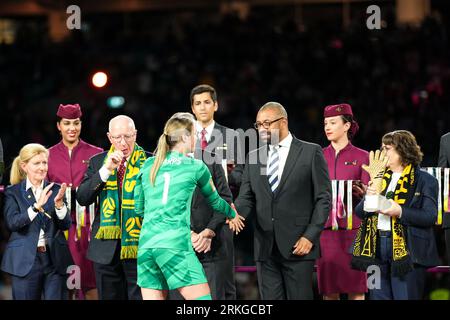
column 351, row 163
column 224, row 147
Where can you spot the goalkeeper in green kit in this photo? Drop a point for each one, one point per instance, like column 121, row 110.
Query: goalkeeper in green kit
column 163, row 193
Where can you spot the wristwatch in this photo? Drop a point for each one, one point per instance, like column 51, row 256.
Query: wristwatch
column 36, row 209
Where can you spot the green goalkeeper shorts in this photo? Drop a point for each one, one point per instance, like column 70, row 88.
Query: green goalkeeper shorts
column 168, row 269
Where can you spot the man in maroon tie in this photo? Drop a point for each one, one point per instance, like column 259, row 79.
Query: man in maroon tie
column 111, row 178
column 120, row 173
column 223, row 144
column 203, row 142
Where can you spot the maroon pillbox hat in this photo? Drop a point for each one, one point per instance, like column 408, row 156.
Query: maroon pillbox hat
column 337, row 110
column 69, row 111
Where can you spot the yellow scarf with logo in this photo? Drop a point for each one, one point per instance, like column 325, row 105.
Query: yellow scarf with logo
column 118, row 219
column 364, row 249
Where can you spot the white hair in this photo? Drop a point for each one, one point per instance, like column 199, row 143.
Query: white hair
column 119, row 119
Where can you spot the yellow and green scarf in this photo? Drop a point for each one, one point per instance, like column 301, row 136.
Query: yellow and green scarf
column 118, row 219
column 364, row 249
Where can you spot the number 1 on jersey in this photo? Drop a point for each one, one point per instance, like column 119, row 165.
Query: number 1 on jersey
column 166, row 187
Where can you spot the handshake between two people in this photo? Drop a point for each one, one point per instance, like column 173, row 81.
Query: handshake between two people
column 374, row 201
column 201, row 242
column 237, row 223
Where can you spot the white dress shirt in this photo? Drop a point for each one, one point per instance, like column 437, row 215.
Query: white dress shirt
column 209, row 129
column 283, row 151
column 61, row 213
column 384, row 221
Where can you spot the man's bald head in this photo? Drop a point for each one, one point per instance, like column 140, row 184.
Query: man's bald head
column 121, row 121
column 122, row 134
column 276, row 107
column 272, row 122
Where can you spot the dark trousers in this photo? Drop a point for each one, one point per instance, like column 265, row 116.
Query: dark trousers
column 117, row 280
column 281, row 279
column 391, row 288
column 42, row 282
column 416, row 282
column 447, row 239
column 216, row 279
column 227, row 265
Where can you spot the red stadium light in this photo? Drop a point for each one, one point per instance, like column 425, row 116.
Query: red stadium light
column 99, row 79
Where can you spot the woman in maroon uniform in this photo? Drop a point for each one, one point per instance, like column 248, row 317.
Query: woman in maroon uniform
column 344, row 160
column 67, row 163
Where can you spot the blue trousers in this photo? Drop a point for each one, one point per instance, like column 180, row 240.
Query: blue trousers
column 416, row 282
column 391, row 288
column 41, row 282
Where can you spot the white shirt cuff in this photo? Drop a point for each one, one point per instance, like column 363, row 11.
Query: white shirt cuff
column 61, row 213
column 31, row 213
column 104, row 173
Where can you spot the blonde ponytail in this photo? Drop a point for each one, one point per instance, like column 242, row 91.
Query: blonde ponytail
column 160, row 155
column 180, row 123
column 17, row 174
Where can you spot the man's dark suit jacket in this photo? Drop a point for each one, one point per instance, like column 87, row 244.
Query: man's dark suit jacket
column 2, row 164
column 202, row 215
column 21, row 248
column 444, row 162
column 299, row 207
column 100, row 250
column 226, row 144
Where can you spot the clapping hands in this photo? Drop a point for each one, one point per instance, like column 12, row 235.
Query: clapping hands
column 45, row 195
column 59, row 202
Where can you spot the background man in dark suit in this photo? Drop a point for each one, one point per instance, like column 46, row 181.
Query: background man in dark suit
column 444, row 151
column 210, row 247
column 2, row 164
column 291, row 196
column 444, row 162
column 116, row 275
column 223, row 148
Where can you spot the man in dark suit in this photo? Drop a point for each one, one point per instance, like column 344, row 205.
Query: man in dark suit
column 223, row 147
column 210, row 248
column 2, row 164
column 286, row 182
column 444, row 162
column 110, row 176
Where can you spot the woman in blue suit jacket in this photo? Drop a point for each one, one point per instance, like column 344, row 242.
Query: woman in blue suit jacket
column 400, row 239
column 36, row 255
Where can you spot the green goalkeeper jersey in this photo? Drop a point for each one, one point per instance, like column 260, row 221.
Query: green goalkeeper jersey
column 166, row 206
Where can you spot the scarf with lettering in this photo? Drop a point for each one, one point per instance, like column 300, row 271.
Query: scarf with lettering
column 118, row 219
column 364, row 250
